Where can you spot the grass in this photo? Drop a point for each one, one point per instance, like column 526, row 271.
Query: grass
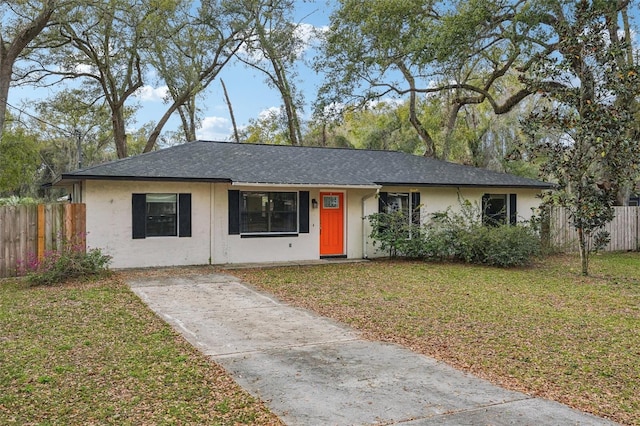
column 92, row 353
column 544, row 330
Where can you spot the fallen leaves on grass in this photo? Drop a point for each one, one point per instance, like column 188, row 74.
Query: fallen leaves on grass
column 93, row 353
column 543, row 329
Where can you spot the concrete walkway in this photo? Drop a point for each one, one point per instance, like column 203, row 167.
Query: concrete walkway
column 310, row 370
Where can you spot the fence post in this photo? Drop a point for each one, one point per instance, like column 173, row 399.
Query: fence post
column 41, row 232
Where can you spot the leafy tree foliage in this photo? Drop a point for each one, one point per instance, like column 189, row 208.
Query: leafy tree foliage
column 379, row 48
column 21, row 23
column 185, row 67
column 270, row 128
column 590, row 143
column 19, row 162
column 273, row 46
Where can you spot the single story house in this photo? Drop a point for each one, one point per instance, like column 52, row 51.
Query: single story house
column 221, row 202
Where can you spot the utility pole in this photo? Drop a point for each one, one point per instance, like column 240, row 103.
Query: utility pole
column 78, row 135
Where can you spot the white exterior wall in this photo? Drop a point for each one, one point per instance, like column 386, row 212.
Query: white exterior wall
column 235, row 249
column 438, row 199
column 435, row 200
column 109, row 224
column 109, row 221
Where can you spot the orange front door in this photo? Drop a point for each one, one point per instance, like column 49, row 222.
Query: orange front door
column 331, row 224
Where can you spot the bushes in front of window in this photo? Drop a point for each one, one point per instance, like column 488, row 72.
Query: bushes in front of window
column 455, row 236
column 69, row 262
column 395, row 234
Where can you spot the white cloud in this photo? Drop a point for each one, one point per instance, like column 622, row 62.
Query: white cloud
column 84, row 68
column 148, row 93
column 269, row 113
column 307, row 34
column 214, row 128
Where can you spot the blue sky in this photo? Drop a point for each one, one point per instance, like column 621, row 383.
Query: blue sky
column 248, row 91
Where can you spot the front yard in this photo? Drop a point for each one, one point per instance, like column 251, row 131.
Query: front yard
column 544, row 329
column 92, row 353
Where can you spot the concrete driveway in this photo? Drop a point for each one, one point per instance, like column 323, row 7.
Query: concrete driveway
column 310, row 370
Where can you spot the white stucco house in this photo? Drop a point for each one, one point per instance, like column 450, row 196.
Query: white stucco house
column 220, row 202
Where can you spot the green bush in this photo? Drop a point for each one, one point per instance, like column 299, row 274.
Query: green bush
column 16, row 201
column 68, row 263
column 456, row 236
column 395, row 235
column 505, row 245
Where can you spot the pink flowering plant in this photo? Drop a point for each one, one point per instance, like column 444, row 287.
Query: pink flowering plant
column 69, row 262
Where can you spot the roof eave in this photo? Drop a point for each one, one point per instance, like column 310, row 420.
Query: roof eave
column 72, row 178
column 307, row 185
column 468, row 185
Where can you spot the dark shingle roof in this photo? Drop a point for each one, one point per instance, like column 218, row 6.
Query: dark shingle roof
column 277, row 164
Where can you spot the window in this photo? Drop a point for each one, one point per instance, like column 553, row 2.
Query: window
column 406, row 202
column 499, row 209
column 268, row 213
column 161, row 215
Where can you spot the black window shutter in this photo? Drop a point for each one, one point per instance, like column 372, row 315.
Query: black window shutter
column 415, row 203
column 139, row 215
column 184, row 215
column 513, row 208
column 303, row 212
column 234, row 212
column 382, row 202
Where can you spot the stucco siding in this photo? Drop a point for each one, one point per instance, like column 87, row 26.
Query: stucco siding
column 439, row 199
column 109, row 222
column 109, row 225
column 433, row 200
column 236, row 249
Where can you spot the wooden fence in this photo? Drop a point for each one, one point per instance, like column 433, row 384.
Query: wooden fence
column 624, row 230
column 28, row 232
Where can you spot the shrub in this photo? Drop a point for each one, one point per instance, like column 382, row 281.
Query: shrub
column 505, row 245
column 456, row 236
column 394, row 234
column 16, row 201
column 71, row 261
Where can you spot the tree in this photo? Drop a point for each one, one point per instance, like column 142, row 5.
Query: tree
column 101, row 43
column 270, row 128
column 376, row 49
column 273, row 47
column 590, row 109
column 21, row 23
column 73, row 132
column 19, row 162
column 191, row 55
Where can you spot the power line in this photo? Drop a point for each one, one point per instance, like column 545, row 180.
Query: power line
column 22, row 111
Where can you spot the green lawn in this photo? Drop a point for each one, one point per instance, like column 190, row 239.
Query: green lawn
column 543, row 329
column 92, row 353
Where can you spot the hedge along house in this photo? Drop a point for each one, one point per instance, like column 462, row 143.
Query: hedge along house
column 221, row 202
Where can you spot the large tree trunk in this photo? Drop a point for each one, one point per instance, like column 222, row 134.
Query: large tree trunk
column 6, row 69
column 187, row 117
column 119, row 134
column 451, row 125
column 9, row 53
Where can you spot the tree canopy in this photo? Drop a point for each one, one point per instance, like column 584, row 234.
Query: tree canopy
column 512, row 85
